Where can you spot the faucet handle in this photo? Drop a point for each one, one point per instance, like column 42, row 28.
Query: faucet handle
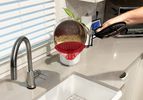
column 38, row 74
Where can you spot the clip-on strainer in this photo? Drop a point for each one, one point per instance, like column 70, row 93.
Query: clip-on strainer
column 70, row 49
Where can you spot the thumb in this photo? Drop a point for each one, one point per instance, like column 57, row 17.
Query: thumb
column 99, row 29
column 106, row 24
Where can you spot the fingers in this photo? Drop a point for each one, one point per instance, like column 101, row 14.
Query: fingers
column 106, row 24
column 99, row 29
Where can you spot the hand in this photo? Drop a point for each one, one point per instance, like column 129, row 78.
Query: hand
column 111, row 21
column 106, row 24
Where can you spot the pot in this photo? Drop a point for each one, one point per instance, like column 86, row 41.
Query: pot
column 68, row 29
column 70, row 35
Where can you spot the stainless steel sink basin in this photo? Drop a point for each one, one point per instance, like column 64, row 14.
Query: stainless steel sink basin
column 78, row 88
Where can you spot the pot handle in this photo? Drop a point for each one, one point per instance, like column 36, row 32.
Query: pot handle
column 112, row 30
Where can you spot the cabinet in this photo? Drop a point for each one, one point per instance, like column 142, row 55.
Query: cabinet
column 133, row 89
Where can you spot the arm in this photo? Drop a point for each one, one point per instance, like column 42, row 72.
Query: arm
column 131, row 17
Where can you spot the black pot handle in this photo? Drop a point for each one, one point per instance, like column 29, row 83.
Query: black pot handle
column 112, row 30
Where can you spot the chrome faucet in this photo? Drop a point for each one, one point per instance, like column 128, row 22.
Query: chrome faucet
column 30, row 80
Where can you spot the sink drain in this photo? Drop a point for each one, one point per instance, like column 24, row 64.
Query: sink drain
column 75, row 97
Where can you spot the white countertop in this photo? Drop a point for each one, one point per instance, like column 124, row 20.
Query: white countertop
column 104, row 62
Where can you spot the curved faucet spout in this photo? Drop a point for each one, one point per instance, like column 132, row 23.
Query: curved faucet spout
column 13, row 63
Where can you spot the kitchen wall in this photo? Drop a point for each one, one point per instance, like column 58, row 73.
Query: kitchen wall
column 80, row 8
column 60, row 4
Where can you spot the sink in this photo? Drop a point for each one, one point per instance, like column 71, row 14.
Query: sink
column 79, row 88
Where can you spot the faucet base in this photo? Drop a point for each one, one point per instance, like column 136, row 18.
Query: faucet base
column 31, row 87
column 30, row 80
